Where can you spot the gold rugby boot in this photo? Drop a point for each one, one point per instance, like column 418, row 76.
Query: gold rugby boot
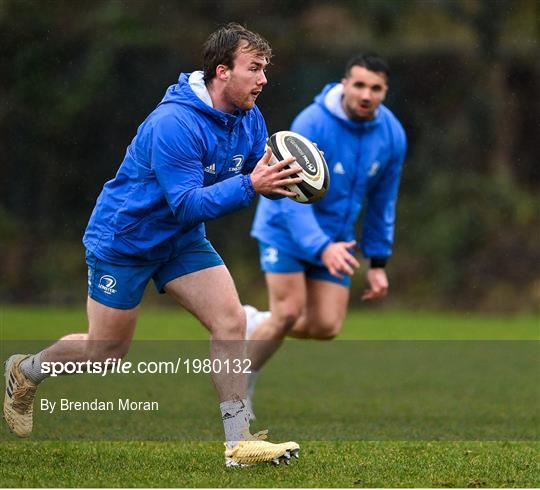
column 256, row 450
column 19, row 397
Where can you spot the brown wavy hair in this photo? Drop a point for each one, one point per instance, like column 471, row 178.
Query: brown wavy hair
column 221, row 47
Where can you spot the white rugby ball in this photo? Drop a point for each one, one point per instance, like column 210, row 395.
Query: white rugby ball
column 315, row 175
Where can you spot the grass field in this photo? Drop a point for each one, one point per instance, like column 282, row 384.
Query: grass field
column 344, row 458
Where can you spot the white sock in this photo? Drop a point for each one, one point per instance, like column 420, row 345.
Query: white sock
column 235, row 416
column 31, row 368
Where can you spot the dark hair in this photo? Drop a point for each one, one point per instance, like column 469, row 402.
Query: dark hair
column 370, row 61
column 220, row 47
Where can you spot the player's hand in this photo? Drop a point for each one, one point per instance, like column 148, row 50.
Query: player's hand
column 337, row 259
column 377, row 285
column 271, row 179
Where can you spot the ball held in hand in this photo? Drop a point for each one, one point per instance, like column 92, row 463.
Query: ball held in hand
column 314, row 173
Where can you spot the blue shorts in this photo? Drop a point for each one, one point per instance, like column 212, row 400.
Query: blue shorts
column 122, row 286
column 279, row 262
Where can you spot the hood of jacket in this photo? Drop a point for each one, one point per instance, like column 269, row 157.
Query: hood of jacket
column 191, row 91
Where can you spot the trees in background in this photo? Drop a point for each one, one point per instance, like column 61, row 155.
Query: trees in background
column 78, row 77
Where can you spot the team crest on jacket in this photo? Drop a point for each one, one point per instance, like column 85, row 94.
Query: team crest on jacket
column 238, row 161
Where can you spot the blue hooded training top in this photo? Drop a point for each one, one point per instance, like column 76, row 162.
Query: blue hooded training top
column 187, row 164
column 365, row 160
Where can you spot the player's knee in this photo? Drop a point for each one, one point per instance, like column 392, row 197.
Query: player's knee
column 326, row 329
column 101, row 350
column 231, row 325
column 284, row 317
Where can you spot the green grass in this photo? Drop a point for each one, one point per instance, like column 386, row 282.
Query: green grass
column 35, row 323
column 380, row 409
column 322, row 464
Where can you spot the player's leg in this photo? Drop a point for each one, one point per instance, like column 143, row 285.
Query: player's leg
column 109, row 334
column 285, row 282
column 210, row 295
column 287, row 297
column 299, row 308
column 111, row 323
column 325, row 312
column 114, row 293
column 200, row 282
column 198, row 279
column 287, row 300
column 312, row 308
column 110, row 331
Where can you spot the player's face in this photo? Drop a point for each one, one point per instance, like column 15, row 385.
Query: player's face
column 363, row 91
column 246, row 79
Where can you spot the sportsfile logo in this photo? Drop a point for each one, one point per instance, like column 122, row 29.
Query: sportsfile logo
column 107, row 283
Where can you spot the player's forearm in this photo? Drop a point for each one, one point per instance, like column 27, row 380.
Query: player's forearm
column 206, row 203
column 314, row 247
column 378, row 227
column 312, row 241
column 305, row 230
column 377, row 240
column 377, row 244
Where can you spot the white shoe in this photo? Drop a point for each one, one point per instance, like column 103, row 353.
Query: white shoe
column 251, row 314
column 253, row 318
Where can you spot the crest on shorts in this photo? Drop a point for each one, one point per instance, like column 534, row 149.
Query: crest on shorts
column 107, row 283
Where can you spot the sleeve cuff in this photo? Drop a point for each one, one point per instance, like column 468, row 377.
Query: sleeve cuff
column 248, row 186
column 319, row 252
column 378, row 262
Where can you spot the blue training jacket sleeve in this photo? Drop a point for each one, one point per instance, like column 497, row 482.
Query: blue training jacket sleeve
column 300, row 218
column 378, row 225
column 177, row 162
column 304, row 228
